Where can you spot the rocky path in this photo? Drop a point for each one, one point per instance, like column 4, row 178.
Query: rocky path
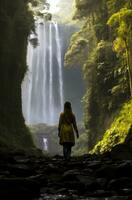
column 83, row 178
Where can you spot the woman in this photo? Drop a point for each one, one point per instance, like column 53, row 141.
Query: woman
column 67, row 125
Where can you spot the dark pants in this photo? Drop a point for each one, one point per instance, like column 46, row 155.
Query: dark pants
column 67, row 150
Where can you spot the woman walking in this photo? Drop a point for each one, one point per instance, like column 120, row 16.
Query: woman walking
column 67, row 126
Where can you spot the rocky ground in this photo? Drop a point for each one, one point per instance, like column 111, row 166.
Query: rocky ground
column 83, row 178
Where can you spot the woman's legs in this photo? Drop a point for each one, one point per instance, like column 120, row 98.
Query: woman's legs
column 67, row 150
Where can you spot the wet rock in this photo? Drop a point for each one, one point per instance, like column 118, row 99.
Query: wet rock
column 102, row 193
column 21, row 159
column 129, row 197
column 117, row 198
column 125, row 192
column 94, row 165
column 106, row 171
column 121, row 152
column 116, row 184
column 20, row 170
column 102, row 182
column 124, row 169
column 15, row 188
column 70, row 175
column 89, row 183
column 82, row 178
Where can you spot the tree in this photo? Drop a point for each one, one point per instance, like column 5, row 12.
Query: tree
column 104, row 70
column 121, row 22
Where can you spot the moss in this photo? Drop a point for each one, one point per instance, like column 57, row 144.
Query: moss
column 81, row 146
column 118, row 130
column 105, row 72
column 17, row 138
column 80, row 45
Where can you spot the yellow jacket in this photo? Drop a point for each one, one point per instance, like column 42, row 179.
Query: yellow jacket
column 67, row 125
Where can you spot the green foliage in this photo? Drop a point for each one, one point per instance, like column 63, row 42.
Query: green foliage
column 118, row 130
column 115, row 5
column 121, row 22
column 104, row 62
column 86, row 8
column 17, row 139
column 107, row 89
column 81, row 146
column 80, row 44
column 77, row 49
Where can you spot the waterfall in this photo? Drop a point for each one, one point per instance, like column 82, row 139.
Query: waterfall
column 27, row 85
column 47, row 83
column 45, row 143
column 44, row 99
column 42, row 88
column 59, row 58
column 51, row 96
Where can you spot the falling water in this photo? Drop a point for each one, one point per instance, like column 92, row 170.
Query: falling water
column 47, row 83
column 59, row 58
column 42, row 88
column 29, row 59
column 45, row 78
column 51, row 96
column 45, row 142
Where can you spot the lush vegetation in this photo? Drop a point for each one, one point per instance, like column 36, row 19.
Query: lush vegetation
column 103, row 47
column 118, row 130
column 81, row 147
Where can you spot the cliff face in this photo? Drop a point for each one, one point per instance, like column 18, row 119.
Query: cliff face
column 119, row 133
column 101, row 51
column 15, row 22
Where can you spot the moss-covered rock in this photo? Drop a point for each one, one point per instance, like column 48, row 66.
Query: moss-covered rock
column 118, row 131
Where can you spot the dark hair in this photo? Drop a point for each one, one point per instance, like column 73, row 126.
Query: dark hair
column 67, row 107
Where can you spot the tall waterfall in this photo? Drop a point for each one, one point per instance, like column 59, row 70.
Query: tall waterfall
column 47, row 83
column 42, row 88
